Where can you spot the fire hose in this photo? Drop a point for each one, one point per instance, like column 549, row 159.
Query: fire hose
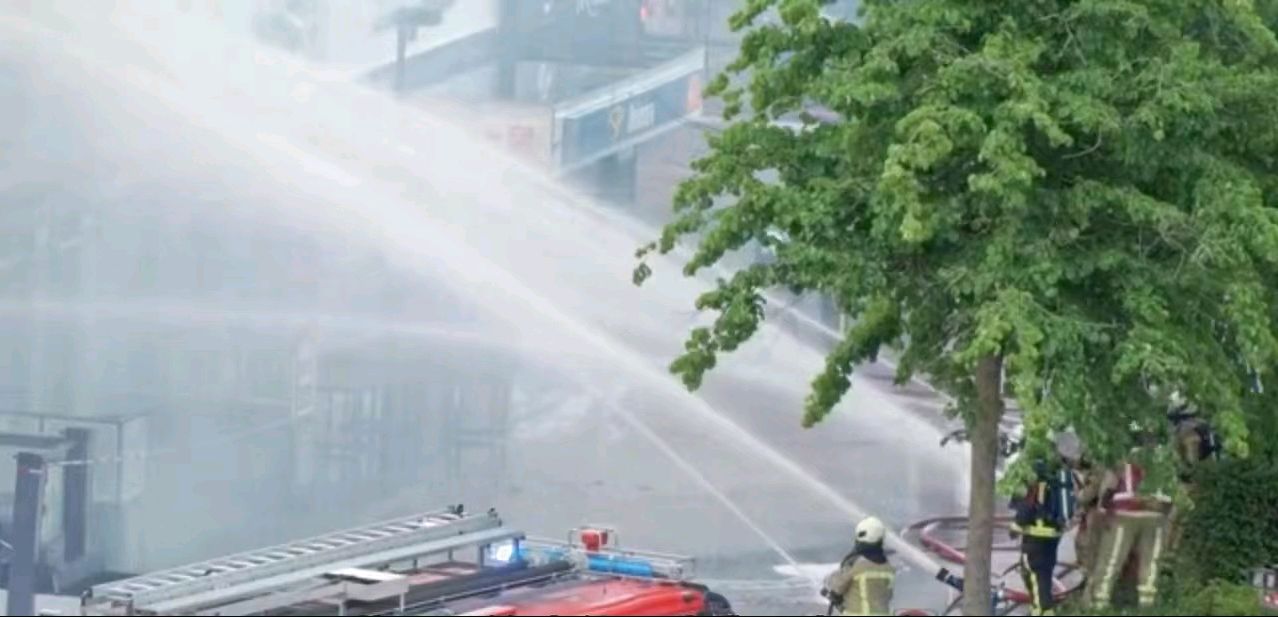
column 927, row 533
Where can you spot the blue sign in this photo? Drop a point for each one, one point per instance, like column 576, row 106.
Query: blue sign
column 595, row 131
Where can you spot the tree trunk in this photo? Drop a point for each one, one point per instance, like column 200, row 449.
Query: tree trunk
column 983, row 435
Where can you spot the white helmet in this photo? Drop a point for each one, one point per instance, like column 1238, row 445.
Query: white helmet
column 870, row 531
column 1178, row 405
column 1068, row 445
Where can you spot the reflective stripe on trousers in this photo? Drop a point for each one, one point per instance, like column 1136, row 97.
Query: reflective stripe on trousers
column 1037, row 565
column 1147, row 590
column 1143, row 535
column 1111, row 565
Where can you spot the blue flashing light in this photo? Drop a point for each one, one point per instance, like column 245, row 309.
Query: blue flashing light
column 509, row 552
column 625, row 566
column 602, row 563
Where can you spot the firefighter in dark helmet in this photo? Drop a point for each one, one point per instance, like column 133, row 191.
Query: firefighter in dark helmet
column 1194, row 442
column 1042, row 515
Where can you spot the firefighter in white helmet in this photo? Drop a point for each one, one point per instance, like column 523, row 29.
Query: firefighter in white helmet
column 863, row 583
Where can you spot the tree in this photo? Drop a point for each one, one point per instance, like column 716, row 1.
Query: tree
column 1077, row 192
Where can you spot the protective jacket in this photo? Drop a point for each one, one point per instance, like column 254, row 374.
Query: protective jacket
column 863, row 583
column 1195, row 442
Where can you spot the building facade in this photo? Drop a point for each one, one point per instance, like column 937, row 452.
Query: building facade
column 265, row 393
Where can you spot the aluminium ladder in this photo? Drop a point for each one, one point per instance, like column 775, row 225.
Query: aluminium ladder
column 260, row 570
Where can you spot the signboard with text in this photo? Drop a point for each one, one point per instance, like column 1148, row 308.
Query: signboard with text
column 601, row 123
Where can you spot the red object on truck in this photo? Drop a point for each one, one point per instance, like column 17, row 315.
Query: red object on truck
column 605, row 596
column 594, row 539
column 604, row 581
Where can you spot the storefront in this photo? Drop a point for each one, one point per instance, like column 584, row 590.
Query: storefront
column 573, row 86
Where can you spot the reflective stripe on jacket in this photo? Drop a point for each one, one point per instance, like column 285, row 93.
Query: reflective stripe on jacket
column 866, row 587
column 1126, row 497
column 1030, row 514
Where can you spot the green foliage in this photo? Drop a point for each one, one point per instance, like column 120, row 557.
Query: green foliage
column 1262, row 422
column 1215, row 598
column 1084, row 188
column 1081, row 190
column 1233, row 526
column 1220, row 598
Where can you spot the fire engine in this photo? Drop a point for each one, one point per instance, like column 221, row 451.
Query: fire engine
column 446, row 562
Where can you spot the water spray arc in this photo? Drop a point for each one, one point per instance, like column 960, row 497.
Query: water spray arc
column 409, row 233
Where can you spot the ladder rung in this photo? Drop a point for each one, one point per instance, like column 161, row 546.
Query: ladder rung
column 248, row 568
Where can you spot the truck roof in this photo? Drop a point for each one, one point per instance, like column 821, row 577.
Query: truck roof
column 418, row 565
column 461, row 589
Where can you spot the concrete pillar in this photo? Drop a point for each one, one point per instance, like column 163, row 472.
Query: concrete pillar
column 75, row 497
column 27, row 503
column 507, row 25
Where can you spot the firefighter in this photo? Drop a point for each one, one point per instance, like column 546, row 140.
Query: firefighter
column 1042, row 514
column 1090, row 520
column 1137, row 523
column 1086, row 520
column 1194, row 442
column 864, row 582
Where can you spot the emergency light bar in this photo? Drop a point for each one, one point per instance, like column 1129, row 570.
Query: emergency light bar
column 594, row 555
